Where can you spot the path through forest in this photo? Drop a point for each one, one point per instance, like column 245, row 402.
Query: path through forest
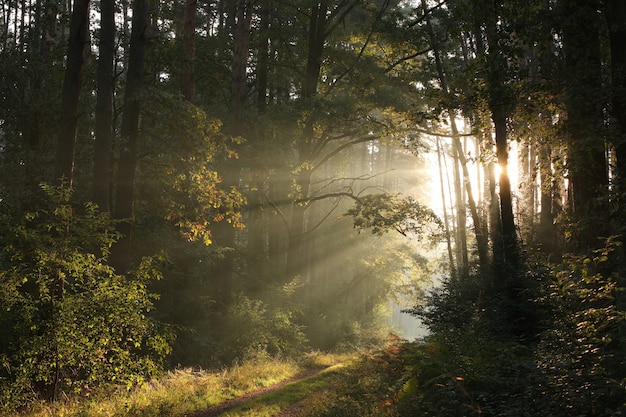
column 289, row 398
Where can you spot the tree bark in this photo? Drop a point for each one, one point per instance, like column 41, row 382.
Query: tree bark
column 461, row 215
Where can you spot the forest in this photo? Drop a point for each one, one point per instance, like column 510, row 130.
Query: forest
column 194, row 185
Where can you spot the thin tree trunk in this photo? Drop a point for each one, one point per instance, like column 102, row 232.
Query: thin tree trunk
column 188, row 82
column 616, row 18
column 446, row 223
column 231, row 172
column 262, row 71
column 104, row 108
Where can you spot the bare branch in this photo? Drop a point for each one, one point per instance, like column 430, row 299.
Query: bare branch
column 339, row 149
column 426, row 14
column 407, row 58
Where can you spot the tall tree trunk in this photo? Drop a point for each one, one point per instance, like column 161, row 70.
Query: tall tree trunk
column 231, row 172
column 616, row 18
column 446, row 223
column 461, row 215
column 72, row 82
column 104, row 108
column 188, row 82
column 258, row 229
column 499, row 104
column 315, row 44
column 509, row 234
column 479, row 231
column 615, row 14
column 585, row 119
column 125, row 179
column 526, row 176
column 262, row 70
column 547, row 230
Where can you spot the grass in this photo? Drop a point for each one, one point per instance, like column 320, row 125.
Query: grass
column 185, row 391
column 274, row 402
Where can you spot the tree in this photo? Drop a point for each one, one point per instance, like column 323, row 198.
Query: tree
column 586, row 164
column 102, row 172
column 72, row 82
column 130, row 130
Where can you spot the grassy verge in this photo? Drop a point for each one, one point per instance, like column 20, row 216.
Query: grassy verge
column 274, row 402
column 182, row 391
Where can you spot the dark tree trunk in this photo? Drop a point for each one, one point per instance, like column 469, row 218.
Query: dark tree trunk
column 262, row 70
column 499, row 105
column 509, row 235
column 104, row 108
column 241, row 18
column 547, row 230
column 125, row 179
column 585, row 119
column 461, row 214
column 315, row 44
column 72, row 82
column 188, row 82
column 616, row 18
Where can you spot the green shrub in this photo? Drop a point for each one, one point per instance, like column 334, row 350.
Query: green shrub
column 582, row 350
column 68, row 322
column 256, row 329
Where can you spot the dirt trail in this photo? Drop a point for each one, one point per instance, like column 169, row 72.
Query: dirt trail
column 228, row 405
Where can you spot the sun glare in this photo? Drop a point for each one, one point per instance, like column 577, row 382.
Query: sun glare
column 477, row 169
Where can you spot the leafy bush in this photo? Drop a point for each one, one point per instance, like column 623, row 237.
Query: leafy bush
column 582, row 351
column 69, row 323
column 573, row 366
column 257, row 329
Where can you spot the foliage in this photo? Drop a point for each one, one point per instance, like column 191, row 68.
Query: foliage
column 184, row 145
column 383, row 212
column 258, row 329
column 581, row 351
column 472, row 365
column 368, row 387
column 69, row 323
column 179, row 391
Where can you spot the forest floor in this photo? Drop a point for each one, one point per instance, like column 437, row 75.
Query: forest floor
column 289, row 398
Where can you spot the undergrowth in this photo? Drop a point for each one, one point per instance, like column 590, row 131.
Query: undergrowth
column 181, row 391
